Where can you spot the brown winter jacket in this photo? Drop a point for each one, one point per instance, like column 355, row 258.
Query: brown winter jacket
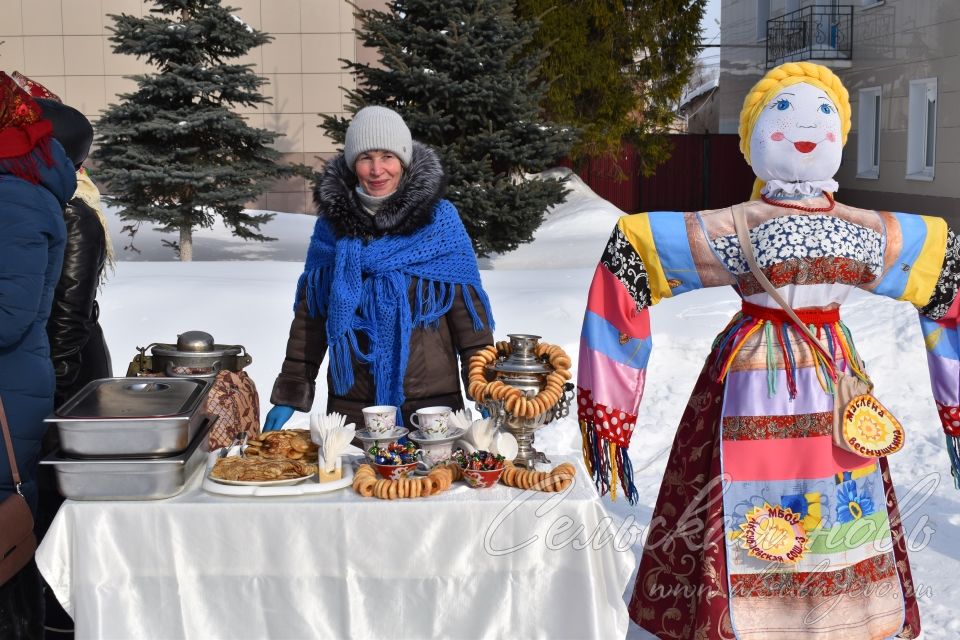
column 433, row 373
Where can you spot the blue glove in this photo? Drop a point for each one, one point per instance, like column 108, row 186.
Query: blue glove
column 277, row 417
column 484, row 412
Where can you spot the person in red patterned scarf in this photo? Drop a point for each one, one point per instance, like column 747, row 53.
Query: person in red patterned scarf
column 36, row 181
column 77, row 346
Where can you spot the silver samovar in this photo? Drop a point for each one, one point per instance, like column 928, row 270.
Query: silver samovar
column 525, row 371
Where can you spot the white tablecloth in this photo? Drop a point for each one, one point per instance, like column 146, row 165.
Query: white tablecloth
column 468, row 563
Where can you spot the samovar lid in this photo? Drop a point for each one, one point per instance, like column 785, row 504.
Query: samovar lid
column 522, row 358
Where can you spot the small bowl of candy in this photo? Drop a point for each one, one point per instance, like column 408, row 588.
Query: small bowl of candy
column 481, row 469
column 395, row 461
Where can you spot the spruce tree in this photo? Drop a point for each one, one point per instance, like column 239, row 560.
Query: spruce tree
column 173, row 153
column 669, row 33
column 466, row 85
column 616, row 69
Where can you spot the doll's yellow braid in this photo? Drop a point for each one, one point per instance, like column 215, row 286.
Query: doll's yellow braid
column 776, row 80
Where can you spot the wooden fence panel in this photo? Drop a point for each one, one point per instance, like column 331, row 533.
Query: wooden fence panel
column 704, row 171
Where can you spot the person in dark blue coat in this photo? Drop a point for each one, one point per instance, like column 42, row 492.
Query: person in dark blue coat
column 36, row 181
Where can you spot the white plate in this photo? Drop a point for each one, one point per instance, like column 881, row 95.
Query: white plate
column 505, row 444
column 263, row 483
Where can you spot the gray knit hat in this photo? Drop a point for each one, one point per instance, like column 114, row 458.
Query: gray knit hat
column 378, row 128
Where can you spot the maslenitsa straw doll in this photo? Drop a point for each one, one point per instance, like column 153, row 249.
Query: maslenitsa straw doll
column 802, row 539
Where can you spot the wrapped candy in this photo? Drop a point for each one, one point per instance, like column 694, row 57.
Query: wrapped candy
column 395, row 453
column 479, row 460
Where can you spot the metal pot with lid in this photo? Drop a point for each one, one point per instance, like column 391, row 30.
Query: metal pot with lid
column 195, row 354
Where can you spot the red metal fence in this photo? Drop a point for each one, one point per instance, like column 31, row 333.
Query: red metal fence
column 705, row 171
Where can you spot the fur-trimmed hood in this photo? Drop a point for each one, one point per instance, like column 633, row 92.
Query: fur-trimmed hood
column 409, row 208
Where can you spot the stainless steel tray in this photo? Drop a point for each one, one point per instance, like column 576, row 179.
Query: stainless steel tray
column 129, row 479
column 132, row 417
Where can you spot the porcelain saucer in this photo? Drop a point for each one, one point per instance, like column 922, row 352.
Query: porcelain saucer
column 453, row 434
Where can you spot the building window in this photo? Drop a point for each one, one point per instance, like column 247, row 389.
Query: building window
column 922, row 129
column 763, row 15
column 868, row 134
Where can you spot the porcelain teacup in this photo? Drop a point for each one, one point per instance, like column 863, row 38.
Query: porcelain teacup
column 380, row 419
column 433, row 422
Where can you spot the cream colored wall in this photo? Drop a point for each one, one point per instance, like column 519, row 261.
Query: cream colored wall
column 894, row 42
column 900, row 41
column 64, row 45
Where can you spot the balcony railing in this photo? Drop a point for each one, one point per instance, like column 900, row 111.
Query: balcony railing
column 812, row 33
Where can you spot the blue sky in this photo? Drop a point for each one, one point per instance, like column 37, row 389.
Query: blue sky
column 711, row 21
column 710, row 27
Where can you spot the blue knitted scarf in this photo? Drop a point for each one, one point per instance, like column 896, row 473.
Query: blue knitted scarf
column 364, row 288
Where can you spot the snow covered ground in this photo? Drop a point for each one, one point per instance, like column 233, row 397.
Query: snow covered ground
column 241, row 293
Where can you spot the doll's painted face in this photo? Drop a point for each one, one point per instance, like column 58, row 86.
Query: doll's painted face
column 797, row 136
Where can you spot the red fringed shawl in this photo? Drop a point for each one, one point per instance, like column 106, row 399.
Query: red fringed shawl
column 22, row 130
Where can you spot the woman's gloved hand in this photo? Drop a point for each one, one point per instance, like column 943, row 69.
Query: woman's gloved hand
column 277, row 417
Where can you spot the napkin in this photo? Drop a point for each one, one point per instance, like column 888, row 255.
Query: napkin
column 333, row 437
column 480, row 433
column 460, row 419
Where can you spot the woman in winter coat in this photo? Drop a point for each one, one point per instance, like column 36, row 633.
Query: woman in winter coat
column 390, row 288
column 77, row 345
column 36, row 180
